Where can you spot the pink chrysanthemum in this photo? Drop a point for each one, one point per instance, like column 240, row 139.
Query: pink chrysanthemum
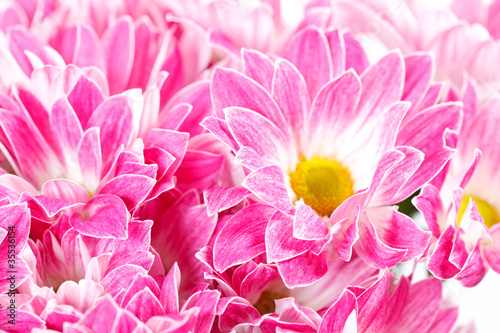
column 461, row 206
column 323, row 139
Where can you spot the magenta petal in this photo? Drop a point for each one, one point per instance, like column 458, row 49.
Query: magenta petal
column 85, row 97
column 65, row 189
column 24, row 321
column 32, row 153
column 280, row 243
column 233, row 311
column 119, row 64
column 428, row 202
column 268, row 183
column 258, row 67
column 337, row 50
column 104, row 216
column 145, row 305
column 221, row 198
column 114, row 119
column 474, row 269
column 220, row 130
column 303, row 270
column 232, row 89
column 289, row 90
column 382, row 85
column 242, row 238
column 310, row 53
column 307, row 225
column 439, row 262
column 334, row 108
column 444, row 321
column 249, row 158
column 425, row 296
column 132, row 189
column 169, row 296
column 419, row 71
column 90, row 158
column 372, row 305
column 199, row 170
column 492, row 251
column 355, row 56
column 67, row 128
column 335, row 318
column 253, row 130
column 372, row 249
column 400, row 232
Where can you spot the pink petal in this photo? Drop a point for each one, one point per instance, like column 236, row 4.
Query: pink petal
column 218, row 199
column 229, row 88
column 268, row 184
column 337, row 50
column 252, row 130
column 425, row 296
column 32, row 153
column 372, row 249
column 258, row 67
column 382, row 85
column 145, row 305
column 310, row 53
column 114, row 119
column 220, row 130
column 303, row 270
column 289, row 90
column 428, row 202
column 85, row 97
column 198, row 96
column 474, row 269
column 104, row 216
column 65, row 189
column 492, row 251
column 280, row 243
column 400, row 232
column 334, row 108
column 335, row 318
column 307, row 225
column 239, row 240
column 90, row 158
column 169, row 296
column 119, row 64
column 67, row 129
column 132, row 189
column 372, row 305
column 439, row 262
column 419, row 72
column 199, row 170
column 355, row 56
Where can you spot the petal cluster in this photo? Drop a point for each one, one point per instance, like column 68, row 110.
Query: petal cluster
column 246, row 166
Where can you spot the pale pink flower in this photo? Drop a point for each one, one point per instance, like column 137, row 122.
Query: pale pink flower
column 459, row 47
column 461, row 206
column 282, row 119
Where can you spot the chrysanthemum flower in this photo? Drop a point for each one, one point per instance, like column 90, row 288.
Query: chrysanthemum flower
column 319, row 146
column 254, row 295
column 462, row 207
column 458, row 47
column 66, row 142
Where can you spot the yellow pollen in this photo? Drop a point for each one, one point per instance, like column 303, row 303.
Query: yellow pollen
column 323, row 184
column 489, row 214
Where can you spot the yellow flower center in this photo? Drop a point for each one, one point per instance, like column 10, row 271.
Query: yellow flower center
column 489, row 214
column 323, row 184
